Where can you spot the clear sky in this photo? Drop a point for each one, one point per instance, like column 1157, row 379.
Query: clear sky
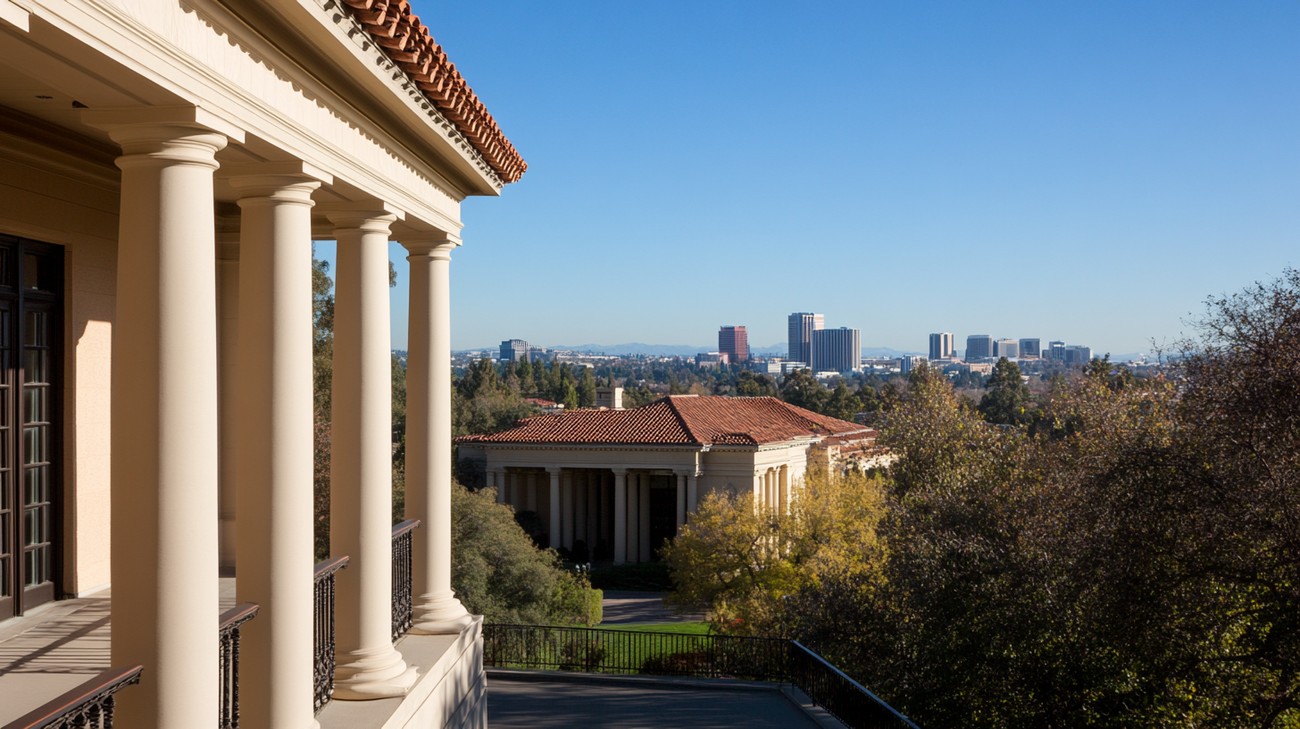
column 1081, row 171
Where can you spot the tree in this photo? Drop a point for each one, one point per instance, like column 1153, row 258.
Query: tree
column 842, row 403
column 1008, row 400
column 743, row 563
column 754, row 384
column 803, row 390
column 498, row 573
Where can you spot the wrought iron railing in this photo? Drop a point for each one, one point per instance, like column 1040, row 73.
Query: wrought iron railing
column 626, row 652
column 89, row 705
column 841, row 696
column 402, row 576
column 323, row 664
column 228, row 630
column 633, row 652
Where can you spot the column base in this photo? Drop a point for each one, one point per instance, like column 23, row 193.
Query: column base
column 365, row 675
column 439, row 615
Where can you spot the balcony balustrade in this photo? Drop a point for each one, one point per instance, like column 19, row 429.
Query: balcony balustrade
column 231, row 621
column 323, row 679
column 89, row 705
column 402, row 601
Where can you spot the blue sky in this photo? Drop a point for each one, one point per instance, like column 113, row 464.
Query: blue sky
column 1085, row 171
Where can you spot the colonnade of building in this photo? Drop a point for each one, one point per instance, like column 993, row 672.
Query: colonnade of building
column 595, row 506
column 772, row 488
column 168, row 418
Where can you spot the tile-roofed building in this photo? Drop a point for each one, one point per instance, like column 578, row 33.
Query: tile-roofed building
column 613, row 484
column 165, row 168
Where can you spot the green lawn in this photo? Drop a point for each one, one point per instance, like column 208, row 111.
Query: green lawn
column 689, row 628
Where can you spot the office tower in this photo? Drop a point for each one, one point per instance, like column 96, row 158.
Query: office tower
column 836, row 350
column 1030, row 347
column 733, row 341
column 802, row 325
column 909, row 362
column 1009, row 348
column 513, row 350
column 1077, row 354
column 941, row 345
column 1056, row 351
column 978, row 346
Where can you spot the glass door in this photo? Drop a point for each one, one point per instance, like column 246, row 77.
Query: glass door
column 31, row 277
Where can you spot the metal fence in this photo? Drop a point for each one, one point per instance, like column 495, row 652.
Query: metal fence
column 323, row 622
column 627, row 652
column 402, row 576
column 88, row 705
column 228, row 632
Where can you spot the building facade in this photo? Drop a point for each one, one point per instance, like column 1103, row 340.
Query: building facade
column 513, row 350
column 801, row 328
column 1009, row 348
column 164, row 169
column 614, row 484
column 978, row 346
column 733, row 341
column 941, row 346
column 1030, row 347
column 836, row 350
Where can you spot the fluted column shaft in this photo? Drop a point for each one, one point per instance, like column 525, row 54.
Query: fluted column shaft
column 361, row 516
column 274, row 523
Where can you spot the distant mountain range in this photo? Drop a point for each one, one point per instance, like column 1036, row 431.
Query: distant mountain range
column 690, row 350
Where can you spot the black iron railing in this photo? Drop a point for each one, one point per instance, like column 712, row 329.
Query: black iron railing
column 633, row 652
column 841, row 696
column 323, row 665
column 228, row 630
column 402, row 576
column 627, row 652
column 88, row 705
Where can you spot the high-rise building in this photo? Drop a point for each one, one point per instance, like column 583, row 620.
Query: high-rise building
column 1009, row 348
column 1056, row 351
column 1077, row 354
column 941, row 345
column 836, row 350
column 733, row 341
column 1030, row 347
column 909, row 362
column 802, row 325
column 513, row 350
column 978, row 346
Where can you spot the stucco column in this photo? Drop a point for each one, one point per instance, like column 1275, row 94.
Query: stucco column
column 530, row 491
column 361, row 462
column 554, row 535
column 227, row 394
column 567, row 511
column 603, row 521
column 680, row 500
column 497, row 482
column 692, row 492
column 620, row 516
column 164, row 417
column 581, row 490
column 643, row 515
column 783, row 477
column 275, row 500
column 758, row 488
column 633, row 520
column 428, row 436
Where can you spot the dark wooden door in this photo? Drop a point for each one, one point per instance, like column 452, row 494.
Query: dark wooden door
column 31, row 277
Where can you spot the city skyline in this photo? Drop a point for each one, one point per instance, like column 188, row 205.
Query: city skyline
column 1101, row 169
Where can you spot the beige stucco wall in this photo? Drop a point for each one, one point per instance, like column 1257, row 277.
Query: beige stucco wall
column 50, row 194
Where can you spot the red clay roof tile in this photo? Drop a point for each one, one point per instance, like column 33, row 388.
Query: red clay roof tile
column 679, row 420
column 394, row 28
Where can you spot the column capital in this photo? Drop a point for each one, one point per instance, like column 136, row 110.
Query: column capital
column 619, row 471
column 165, row 133
column 436, row 245
column 368, row 215
column 289, row 182
column 554, row 470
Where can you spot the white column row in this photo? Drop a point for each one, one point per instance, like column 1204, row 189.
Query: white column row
column 165, row 424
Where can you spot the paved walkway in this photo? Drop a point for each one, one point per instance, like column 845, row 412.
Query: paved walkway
column 519, row 700
column 622, row 607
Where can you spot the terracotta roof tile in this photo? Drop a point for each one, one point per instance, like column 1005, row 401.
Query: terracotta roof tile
column 392, row 25
column 679, row 420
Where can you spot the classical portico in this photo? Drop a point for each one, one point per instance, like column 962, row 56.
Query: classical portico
column 181, row 158
column 612, row 485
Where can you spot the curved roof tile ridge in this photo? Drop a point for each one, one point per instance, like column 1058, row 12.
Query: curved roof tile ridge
column 407, row 41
